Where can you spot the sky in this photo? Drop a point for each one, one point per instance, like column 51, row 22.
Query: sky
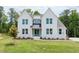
column 56, row 9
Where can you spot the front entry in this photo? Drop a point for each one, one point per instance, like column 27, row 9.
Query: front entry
column 36, row 32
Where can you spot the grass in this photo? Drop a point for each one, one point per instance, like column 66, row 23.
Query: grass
column 9, row 45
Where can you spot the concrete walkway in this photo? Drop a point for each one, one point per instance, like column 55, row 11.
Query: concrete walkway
column 74, row 38
column 0, row 36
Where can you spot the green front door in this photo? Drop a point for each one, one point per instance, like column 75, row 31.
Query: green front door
column 36, row 32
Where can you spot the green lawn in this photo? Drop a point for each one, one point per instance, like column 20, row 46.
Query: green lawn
column 37, row 46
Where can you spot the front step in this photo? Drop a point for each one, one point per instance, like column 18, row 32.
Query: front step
column 36, row 38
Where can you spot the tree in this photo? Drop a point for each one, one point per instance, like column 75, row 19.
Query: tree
column 13, row 15
column 13, row 30
column 64, row 17
column 1, row 13
column 71, row 21
column 3, row 20
column 4, row 27
column 36, row 13
column 16, row 15
column 74, row 18
column 29, row 11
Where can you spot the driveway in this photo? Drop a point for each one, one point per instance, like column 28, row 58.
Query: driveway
column 0, row 36
column 74, row 38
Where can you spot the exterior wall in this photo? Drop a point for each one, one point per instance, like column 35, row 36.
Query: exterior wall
column 36, row 17
column 54, row 26
column 60, row 25
column 63, row 35
column 44, row 26
column 49, row 14
column 22, row 26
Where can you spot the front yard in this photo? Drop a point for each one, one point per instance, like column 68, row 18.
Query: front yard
column 8, row 44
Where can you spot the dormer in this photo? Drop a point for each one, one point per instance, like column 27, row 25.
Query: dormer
column 36, row 18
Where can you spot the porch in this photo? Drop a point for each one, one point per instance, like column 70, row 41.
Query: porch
column 36, row 32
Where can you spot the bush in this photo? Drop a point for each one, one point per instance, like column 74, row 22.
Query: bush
column 13, row 30
column 9, row 44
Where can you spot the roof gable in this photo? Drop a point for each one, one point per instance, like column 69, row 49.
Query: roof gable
column 49, row 10
column 24, row 13
column 59, row 23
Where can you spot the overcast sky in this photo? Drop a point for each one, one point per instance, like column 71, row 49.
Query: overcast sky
column 56, row 9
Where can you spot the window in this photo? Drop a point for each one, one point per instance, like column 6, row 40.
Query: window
column 50, row 20
column 60, row 31
column 50, row 31
column 25, row 21
column 47, row 31
column 66, row 32
column 24, row 31
column 47, row 21
column 36, row 21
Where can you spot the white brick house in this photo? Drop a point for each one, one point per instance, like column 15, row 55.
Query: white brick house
column 44, row 26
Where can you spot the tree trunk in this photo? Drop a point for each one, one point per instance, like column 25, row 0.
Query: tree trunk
column 74, row 32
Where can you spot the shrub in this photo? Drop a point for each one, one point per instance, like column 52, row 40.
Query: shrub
column 40, row 37
column 31, row 38
column 9, row 44
column 13, row 30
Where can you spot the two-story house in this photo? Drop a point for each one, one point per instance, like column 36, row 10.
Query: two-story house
column 44, row 26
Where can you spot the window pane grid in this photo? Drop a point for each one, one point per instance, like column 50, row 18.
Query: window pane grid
column 47, row 31
column 48, row 20
column 24, row 31
column 50, row 31
column 25, row 21
column 60, row 31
